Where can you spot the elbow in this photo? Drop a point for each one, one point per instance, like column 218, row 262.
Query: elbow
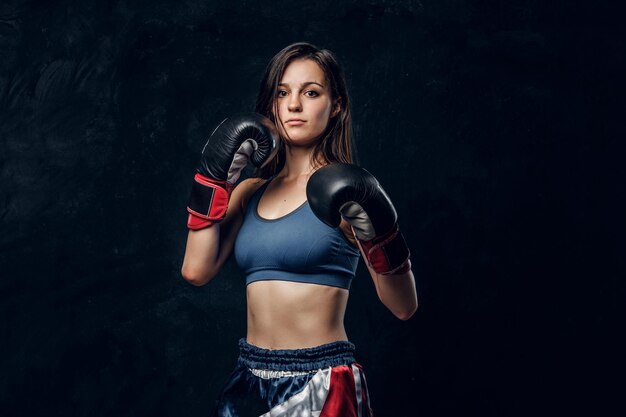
column 406, row 313
column 195, row 277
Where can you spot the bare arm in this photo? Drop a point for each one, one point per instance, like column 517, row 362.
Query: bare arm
column 208, row 249
column 396, row 292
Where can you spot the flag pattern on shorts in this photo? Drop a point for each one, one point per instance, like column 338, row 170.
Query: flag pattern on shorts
column 340, row 391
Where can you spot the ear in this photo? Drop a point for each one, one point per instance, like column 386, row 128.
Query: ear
column 336, row 108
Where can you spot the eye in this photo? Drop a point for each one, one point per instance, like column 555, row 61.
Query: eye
column 311, row 93
column 281, row 93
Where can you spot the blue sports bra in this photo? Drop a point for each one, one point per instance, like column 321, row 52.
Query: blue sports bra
column 296, row 247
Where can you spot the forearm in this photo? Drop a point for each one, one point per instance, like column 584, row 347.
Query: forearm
column 200, row 264
column 397, row 293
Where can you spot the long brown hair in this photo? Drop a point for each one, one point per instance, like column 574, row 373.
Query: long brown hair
column 336, row 144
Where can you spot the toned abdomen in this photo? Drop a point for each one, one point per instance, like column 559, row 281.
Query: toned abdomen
column 293, row 315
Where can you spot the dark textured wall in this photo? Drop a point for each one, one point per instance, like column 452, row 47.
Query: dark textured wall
column 491, row 124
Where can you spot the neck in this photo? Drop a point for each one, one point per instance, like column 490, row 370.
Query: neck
column 297, row 163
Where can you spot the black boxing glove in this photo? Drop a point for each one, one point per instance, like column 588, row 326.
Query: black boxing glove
column 236, row 140
column 344, row 190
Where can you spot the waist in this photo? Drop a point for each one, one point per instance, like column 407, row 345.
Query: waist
column 297, row 360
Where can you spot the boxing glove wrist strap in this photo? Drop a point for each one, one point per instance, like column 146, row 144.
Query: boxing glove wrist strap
column 387, row 254
column 208, row 201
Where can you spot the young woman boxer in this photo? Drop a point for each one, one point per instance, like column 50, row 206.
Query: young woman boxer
column 297, row 231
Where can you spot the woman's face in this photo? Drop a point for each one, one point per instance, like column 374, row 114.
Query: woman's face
column 304, row 102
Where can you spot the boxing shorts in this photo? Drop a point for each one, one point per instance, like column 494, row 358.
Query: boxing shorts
column 323, row 381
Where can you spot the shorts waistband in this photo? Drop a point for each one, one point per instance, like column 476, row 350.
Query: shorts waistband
column 307, row 359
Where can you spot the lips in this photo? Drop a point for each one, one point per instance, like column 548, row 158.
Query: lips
column 294, row 122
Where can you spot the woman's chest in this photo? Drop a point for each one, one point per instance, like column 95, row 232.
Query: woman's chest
column 296, row 241
column 281, row 198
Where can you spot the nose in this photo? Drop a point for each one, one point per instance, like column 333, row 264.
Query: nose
column 294, row 103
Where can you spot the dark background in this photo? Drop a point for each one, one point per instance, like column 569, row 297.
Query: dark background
column 493, row 125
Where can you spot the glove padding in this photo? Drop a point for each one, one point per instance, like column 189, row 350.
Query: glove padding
column 232, row 144
column 344, row 190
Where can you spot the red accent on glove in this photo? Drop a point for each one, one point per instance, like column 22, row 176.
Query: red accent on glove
column 387, row 254
column 212, row 197
column 196, row 223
